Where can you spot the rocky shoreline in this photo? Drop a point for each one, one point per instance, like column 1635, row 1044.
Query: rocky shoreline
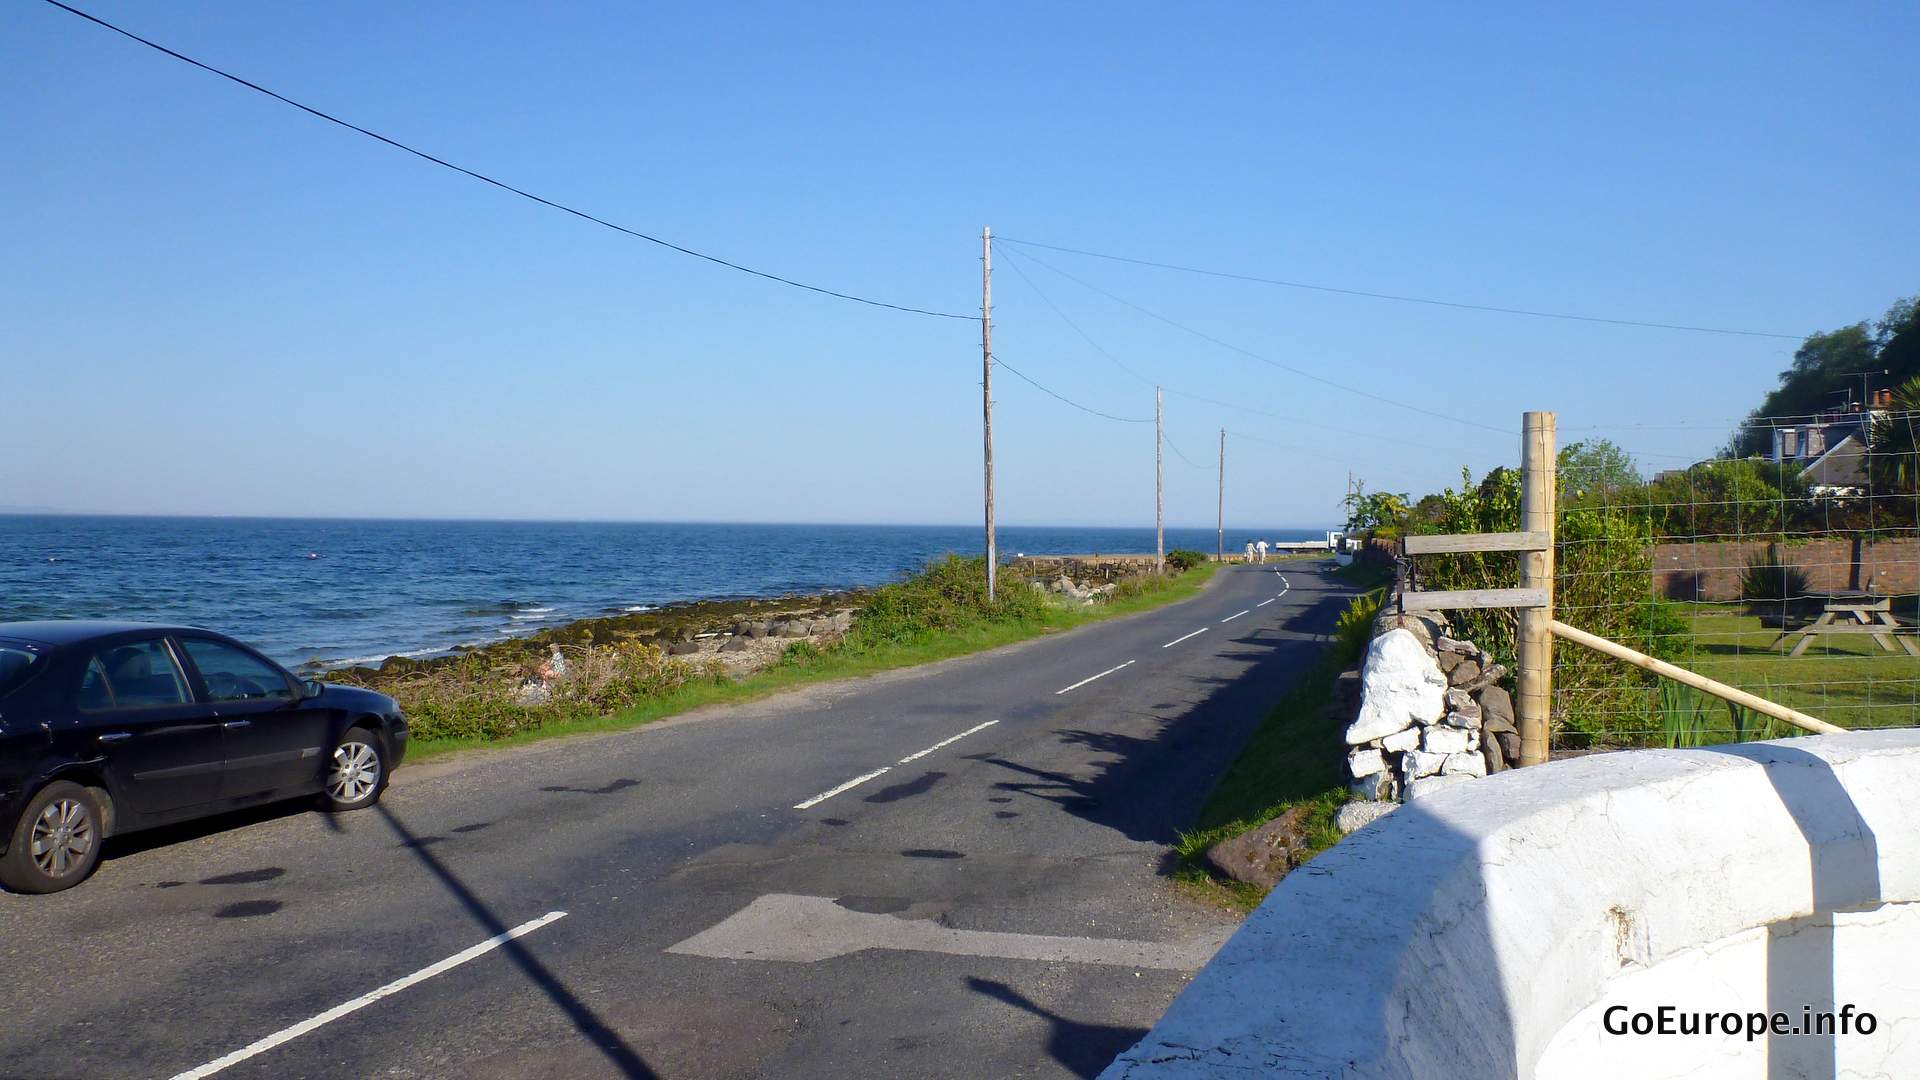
column 736, row 631
column 742, row 634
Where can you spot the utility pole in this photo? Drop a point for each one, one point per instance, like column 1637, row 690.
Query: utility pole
column 986, row 392
column 1220, row 519
column 1159, row 482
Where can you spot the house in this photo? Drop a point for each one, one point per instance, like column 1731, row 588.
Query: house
column 1831, row 448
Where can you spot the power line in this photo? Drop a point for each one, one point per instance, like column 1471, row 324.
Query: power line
column 1250, row 354
column 1068, row 400
column 1181, row 456
column 1406, row 299
column 502, row 185
column 1117, row 362
column 1084, row 336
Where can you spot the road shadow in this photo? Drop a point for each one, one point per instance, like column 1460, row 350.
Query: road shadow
column 120, row 847
column 1083, row 1049
column 622, row 1057
column 1149, row 783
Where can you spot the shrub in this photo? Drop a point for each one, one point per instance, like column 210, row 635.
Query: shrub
column 1766, row 580
column 1354, row 628
column 950, row 594
column 1185, row 559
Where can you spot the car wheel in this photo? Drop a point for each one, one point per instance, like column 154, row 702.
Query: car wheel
column 357, row 773
column 56, row 842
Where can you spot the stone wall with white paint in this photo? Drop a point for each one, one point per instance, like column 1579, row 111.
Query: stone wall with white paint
column 1431, row 714
column 1485, row 931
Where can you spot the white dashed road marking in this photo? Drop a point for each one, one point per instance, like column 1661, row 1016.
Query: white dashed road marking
column 885, row 769
column 1267, row 601
column 288, row 1034
column 1184, row 637
column 1236, row 615
column 1090, row 678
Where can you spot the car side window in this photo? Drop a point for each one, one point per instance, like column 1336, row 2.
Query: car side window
column 133, row 676
column 95, row 694
column 233, row 674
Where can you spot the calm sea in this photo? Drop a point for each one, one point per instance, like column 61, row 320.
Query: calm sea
column 335, row 591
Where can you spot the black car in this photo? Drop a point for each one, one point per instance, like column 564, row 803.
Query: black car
column 109, row 727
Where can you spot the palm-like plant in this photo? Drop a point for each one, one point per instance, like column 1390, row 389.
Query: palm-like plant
column 1894, row 464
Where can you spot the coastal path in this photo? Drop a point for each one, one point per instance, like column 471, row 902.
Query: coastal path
column 955, row 870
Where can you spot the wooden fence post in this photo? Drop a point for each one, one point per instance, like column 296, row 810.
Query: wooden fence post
column 1534, row 708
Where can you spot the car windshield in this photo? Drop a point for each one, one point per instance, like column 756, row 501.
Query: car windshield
column 17, row 660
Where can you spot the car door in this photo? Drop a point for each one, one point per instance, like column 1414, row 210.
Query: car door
column 276, row 742
column 162, row 749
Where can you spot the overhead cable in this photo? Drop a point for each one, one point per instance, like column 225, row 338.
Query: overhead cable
column 502, row 185
column 1405, row 299
column 1250, row 354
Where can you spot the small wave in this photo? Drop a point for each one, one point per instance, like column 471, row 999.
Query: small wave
column 354, row 661
column 532, row 617
column 638, row 607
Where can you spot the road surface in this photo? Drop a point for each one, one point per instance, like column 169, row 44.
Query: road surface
column 952, row 870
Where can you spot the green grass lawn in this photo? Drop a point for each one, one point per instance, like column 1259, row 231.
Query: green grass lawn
column 1844, row 679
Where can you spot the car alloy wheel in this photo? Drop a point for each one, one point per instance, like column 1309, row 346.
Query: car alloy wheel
column 61, row 838
column 355, row 774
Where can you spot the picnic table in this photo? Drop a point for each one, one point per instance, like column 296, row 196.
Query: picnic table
column 1870, row 614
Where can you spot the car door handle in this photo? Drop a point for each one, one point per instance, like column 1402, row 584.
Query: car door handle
column 231, row 724
column 116, row 736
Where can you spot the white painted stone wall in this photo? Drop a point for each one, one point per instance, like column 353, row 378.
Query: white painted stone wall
column 1483, row 930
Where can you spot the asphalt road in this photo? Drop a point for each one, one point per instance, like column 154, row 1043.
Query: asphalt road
column 993, row 904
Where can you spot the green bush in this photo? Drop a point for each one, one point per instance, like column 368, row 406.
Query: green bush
column 1354, row 628
column 1185, row 559
column 1603, row 584
column 1768, row 581
column 950, row 594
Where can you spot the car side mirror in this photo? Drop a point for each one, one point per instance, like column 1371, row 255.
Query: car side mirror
column 312, row 688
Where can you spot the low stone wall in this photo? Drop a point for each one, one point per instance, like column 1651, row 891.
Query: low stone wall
column 1483, row 932
column 1711, row 571
column 1432, row 713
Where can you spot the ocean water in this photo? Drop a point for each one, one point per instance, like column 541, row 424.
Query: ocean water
column 330, row 592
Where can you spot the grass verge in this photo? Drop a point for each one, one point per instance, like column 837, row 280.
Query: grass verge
column 1292, row 763
column 903, row 636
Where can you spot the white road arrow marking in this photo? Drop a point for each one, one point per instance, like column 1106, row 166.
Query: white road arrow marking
column 807, row 929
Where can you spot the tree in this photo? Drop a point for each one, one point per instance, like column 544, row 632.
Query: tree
column 1893, row 464
column 1374, row 510
column 1830, row 362
column 1820, row 366
column 1596, row 470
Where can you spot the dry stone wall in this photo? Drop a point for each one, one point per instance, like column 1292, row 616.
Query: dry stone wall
column 1431, row 713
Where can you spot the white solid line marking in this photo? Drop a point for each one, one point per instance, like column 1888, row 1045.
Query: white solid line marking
column 290, row 1033
column 1090, row 678
column 848, row 786
column 1267, row 601
column 945, row 742
column 1184, row 637
column 1236, row 615
column 884, row 769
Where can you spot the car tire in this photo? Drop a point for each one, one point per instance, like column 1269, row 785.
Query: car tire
column 356, row 772
column 56, row 842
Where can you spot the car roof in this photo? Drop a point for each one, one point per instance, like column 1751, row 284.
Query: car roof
column 61, row 632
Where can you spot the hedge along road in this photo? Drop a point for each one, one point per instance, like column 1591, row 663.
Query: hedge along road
column 950, row 870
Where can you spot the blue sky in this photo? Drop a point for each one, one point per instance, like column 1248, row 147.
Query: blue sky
column 214, row 304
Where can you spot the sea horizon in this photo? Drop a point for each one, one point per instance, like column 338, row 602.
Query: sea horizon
column 322, row 592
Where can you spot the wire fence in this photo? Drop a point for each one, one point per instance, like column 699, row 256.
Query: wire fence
column 1792, row 572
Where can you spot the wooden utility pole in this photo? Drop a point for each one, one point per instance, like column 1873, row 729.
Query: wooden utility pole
column 1534, row 708
column 986, row 393
column 1159, row 483
column 1220, row 511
